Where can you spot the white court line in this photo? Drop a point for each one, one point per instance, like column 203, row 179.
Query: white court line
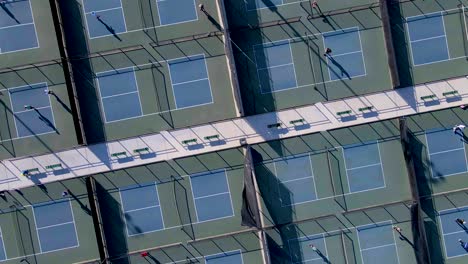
column 276, row 66
column 104, row 10
column 445, row 151
column 419, row 40
column 211, row 195
column 18, row 25
column 116, row 95
column 370, row 248
column 49, row 226
column 197, row 80
column 365, row 166
column 224, row 254
column 142, row 208
column 3, row 243
column 346, row 53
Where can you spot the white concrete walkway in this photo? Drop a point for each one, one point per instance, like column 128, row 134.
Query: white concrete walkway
column 167, row 145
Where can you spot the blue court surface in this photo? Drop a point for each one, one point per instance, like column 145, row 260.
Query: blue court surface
column 275, row 66
column 260, row 4
column 17, row 29
column 346, row 59
column 427, row 38
column 55, row 225
column 295, row 180
column 364, row 167
column 176, row 11
column 452, row 231
column 377, row 244
column 446, row 152
column 231, row 257
column 3, row 255
column 142, row 209
column 119, row 94
column 211, row 196
column 104, row 18
column 301, row 249
column 190, row 81
column 36, row 121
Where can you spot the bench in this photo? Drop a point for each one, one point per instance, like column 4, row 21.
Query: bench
column 54, row 166
column 212, row 137
column 347, row 112
column 188, row 141
column 366, row 108
column 275, row 125
column 451, row 93
column 118, row 154
column 28, row 172
column 426, row 97
column 297, row 121
column 140, row 150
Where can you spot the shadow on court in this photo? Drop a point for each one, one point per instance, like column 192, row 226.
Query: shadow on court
column 3, row 5
column 76, row 41
column 108, row 28
column 274, row 195
column 113, row 225
column 23, row 229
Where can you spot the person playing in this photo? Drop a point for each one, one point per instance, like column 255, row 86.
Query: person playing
column 463, row 244
column 328, row 51
column 313, row 247
column 397, row 229
column 460, row 221
column 65, row 193
column 458, row 130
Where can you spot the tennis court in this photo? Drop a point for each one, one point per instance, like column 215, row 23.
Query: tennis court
column 17, row 26
column 446, row 153
column 32, row 110
column 437, row 37
column 452, row 231
column 55, row 226
column 311, row 60
column 377, row 243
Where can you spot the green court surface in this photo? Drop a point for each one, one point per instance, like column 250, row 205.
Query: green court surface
column 364, row 166
column 282, row 66
column 45, row 128
column 360, row 237
column 48, row 235
column 159, row 88
column 434, row 52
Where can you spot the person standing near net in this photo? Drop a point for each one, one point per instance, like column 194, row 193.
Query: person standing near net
column 328, row 51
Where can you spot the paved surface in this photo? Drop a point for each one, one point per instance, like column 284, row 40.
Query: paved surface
column 168, row 144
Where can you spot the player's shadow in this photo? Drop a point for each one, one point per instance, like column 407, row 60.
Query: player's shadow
column 404, row 238
column 46, row 121
column 109, row 28
column 9, row 13
column 62, row 103
column 212, row 20
column 343, row 71
column 324, row 258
